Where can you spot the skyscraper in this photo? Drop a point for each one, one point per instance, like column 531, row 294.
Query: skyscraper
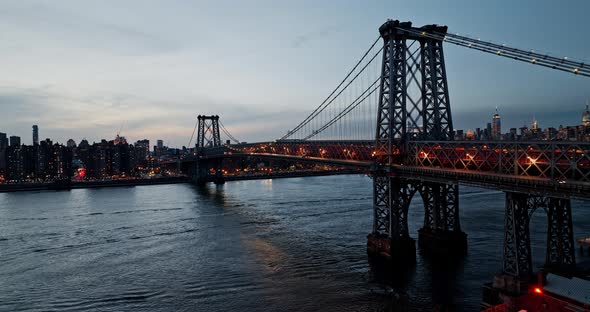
column 144, row 145
column 160, row 144
column 35, row 135
column 3, row 148
column 3, row 140
column 496, row 126
column 14, row 140
column 142, row 151
column 71, row 143
column 488, row 131
column 586, row 116
column 535, row 130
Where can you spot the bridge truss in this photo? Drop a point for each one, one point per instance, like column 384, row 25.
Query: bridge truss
column 394, row 118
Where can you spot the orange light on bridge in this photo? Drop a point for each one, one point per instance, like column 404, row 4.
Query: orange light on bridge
column 532, row 160
column 538, row 291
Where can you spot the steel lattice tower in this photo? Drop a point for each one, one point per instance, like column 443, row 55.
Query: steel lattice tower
column 208, row 135
column 414, row 62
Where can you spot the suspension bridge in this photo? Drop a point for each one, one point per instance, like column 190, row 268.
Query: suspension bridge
column 391, row 116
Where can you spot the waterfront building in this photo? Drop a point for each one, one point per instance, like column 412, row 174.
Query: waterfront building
column 20, row 162
column 14, row 163
column 45, row 164
column 142, row 150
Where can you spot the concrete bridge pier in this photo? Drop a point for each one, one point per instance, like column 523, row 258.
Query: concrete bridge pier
column 441, row 234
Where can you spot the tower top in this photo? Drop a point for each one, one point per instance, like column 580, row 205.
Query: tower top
column 496, row 115
column 395, row 28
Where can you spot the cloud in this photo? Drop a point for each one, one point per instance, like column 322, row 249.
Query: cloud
column 303, row 39
column 84, row 68
column 54, row 26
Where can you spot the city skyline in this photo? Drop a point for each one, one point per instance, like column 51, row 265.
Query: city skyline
column 533, row 122
column 117, row 67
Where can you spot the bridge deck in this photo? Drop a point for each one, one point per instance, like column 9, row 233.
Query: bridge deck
column 490, row 180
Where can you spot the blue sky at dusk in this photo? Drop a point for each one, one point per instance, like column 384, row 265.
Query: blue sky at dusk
column 85, row 68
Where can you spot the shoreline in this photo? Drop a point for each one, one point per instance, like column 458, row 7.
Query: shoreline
column 11, row 188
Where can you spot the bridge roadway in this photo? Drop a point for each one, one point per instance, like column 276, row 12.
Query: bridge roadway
column 467, row 168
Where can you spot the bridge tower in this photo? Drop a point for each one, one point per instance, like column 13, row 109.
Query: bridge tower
column 208, row 134
column 413, row 104
column 208, row 137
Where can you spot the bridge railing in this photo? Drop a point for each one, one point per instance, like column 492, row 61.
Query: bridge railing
column 556, row 160
column 360, row 150
column 560, row 161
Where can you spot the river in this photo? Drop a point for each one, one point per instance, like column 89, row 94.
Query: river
column 266, row 245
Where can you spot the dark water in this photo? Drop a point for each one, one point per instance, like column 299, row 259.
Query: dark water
column 280, row 245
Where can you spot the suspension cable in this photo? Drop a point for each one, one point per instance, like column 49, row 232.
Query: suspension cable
column 347, row 109
column 565, row 62
column 562, row 64
column 342, row 90
column 231, row 137
column 192, row 135
column 545, row 60
column 313, row 114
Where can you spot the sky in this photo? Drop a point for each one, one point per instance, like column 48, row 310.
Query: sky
column 89, row 69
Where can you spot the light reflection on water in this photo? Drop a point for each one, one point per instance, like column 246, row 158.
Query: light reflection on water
column 265, row 245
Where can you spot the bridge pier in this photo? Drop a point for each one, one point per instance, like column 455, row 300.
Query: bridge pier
column 390, row 241
column 451, row 244
column 517, row 276
column 201, row 173
column 561, row 253
column 384, row 251
column 441, row 233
